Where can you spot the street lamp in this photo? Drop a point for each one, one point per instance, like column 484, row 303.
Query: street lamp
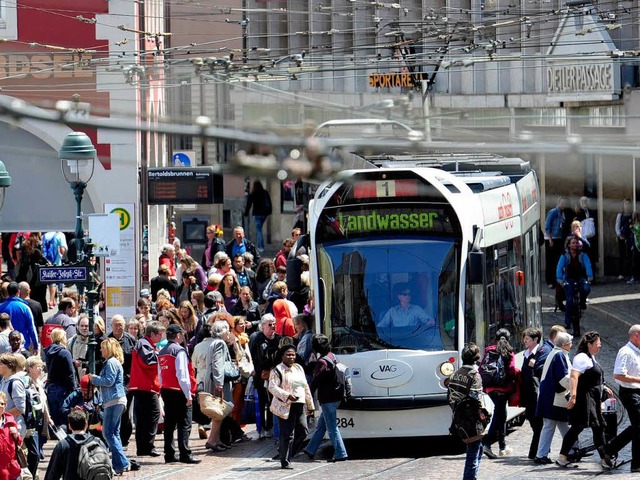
column 5, row 181
column 77, row 162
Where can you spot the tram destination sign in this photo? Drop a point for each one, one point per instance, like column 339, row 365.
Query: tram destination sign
column 63, row 274
column 179, row 186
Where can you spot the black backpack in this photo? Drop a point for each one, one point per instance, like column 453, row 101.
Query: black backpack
column 469, row 418
column 33, row 408
column 493, row 370
column 93, row 460
column 342, row 378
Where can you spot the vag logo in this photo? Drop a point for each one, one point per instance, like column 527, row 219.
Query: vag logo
column 389, row 373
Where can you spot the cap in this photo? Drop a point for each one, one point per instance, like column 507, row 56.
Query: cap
column 85, row 382
column 145, row 293
column 174, row 329
column 214, row 295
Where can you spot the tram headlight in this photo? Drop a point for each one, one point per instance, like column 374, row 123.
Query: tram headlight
column 447, row 369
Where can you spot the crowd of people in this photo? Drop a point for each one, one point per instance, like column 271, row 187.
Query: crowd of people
column 557, row 392
column 223, row 326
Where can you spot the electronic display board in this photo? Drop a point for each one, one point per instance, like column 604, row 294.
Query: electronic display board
column 176, row 186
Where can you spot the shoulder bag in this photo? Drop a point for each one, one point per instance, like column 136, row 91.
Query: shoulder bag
column 214, row 407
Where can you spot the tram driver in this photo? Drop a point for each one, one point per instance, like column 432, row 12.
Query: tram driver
column 405, row 314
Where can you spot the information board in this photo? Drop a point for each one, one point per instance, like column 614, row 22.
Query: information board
column 177, row 186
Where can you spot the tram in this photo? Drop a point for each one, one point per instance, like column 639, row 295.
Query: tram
column 411, row 259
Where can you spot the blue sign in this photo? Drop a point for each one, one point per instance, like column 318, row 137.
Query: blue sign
column 181, row 160
column 62, row 274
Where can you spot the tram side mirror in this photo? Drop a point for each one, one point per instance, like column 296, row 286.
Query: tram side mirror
column 294, row 269
column 476, row 263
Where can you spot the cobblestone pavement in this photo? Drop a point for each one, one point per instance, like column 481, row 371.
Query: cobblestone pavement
column 612, row 309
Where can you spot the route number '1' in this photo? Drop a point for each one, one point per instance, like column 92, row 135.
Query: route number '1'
column 385, row 188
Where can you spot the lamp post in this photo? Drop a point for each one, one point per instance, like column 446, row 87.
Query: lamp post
column 5, row 182
column 77, row 162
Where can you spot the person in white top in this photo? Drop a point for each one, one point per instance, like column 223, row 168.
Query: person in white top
column 626, row 372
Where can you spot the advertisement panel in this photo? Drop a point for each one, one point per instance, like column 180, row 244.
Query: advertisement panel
column 121, row 292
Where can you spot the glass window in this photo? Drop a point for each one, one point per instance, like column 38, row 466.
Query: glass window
column 391, row 292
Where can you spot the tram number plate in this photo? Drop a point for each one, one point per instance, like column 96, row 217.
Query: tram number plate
column 345, row 422
column 385, row 188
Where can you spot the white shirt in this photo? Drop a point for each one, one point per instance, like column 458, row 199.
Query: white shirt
column 628, row 363
column 581, row 363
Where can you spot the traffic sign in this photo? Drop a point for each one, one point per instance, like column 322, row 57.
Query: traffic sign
column 62, row 274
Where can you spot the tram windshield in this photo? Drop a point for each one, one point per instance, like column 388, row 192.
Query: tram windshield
column 391, row 292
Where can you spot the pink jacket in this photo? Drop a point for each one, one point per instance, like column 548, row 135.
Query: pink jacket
column 9, row 467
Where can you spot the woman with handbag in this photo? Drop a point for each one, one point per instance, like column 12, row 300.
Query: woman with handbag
column 584, row 405
column 288, row 385
column 9, row 440
column 218, row 377
column 552, row 401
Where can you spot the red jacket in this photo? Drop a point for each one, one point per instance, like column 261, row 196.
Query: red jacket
column 144, row 367
column 512, row 374
column 169, row 262
column 9, row 467
column 284, row 322
column 167, row 359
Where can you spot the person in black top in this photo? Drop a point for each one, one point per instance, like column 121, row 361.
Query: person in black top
column 261, row 201
column 64, row 459
column 163, row 280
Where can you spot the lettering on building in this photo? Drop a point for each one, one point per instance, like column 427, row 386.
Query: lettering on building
column 589, row 77
column 393, row 80
column 42, row 66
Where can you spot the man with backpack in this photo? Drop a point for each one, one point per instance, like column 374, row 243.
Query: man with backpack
column 332, row 390
column 469, row 417
column 80, row 456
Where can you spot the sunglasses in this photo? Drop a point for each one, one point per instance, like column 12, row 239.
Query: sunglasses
column 405, row 294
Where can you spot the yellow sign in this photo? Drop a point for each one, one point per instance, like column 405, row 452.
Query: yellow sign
column 124, row 217
column 387, row 80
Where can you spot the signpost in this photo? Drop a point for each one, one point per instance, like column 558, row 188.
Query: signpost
column 66, row 274
column 179, row 186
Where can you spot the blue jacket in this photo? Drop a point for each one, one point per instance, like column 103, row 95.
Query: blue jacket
column 561, row 270
column 111, row 381
column 554, row 223
column 21, row 319
column 549, row 386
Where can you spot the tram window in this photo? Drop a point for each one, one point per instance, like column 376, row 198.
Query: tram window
column 396, row 292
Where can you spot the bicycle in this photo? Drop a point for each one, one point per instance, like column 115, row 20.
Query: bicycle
column 574, row 305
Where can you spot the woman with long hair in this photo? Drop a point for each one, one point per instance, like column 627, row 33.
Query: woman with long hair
column 223, row 266
column 247, row 308
column 194, row 269
column 114, row 401
column 197, row 300
column 230, row 290
column 265, row 273
column 187, row 318
column 499, row 393
column 586, row 386
column 241, row 345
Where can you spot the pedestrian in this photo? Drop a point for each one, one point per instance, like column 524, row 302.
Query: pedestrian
column 163, row 281
column 54, row 248
column 239, row 244
column 9, row 440
column 35, row 306
column 330, row 395
column 21, row 316
column 552, row 402
column 144, row 385
column 554, row 236
column 127, row 343
column 61, row 319
column 177, row 386
column 260, row 200
column 264, row 346
column 79, row 345
column 587, row 390
column 61, row 378
column 626, row 373
column 574, row 271
column 283, row 253
column 112, row 390
column 168, row 257
column 466, row 383
column 499, row 391
column 215, row 244
column 530, row 384
column 624, row 235
column 291, row 403
column 65, row 456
